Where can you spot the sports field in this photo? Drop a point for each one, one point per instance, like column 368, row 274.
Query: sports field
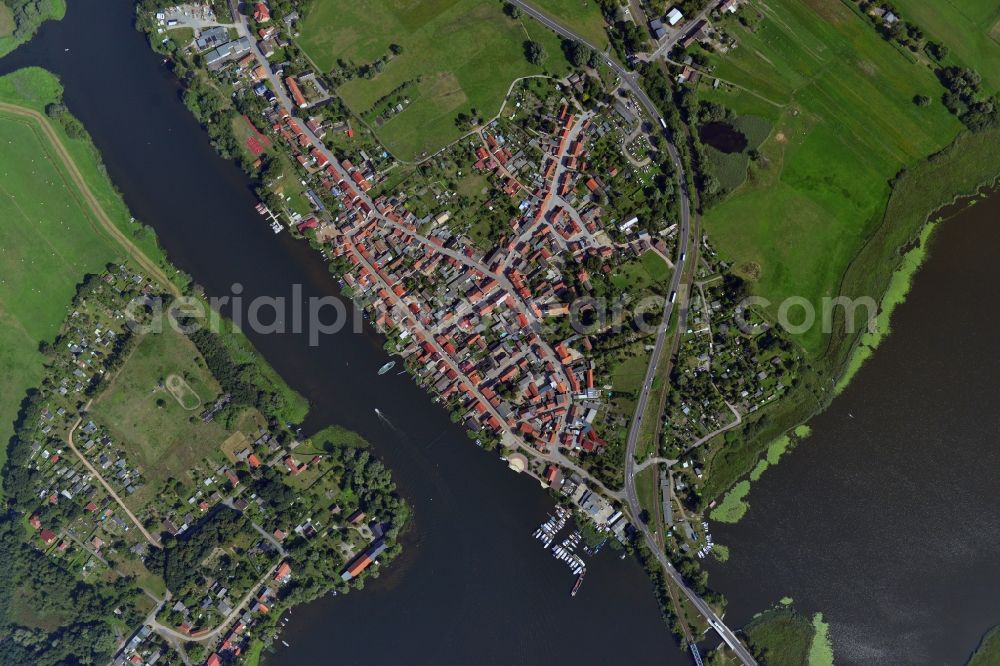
column 457, row 55
column 969, row 28
column 844, row 125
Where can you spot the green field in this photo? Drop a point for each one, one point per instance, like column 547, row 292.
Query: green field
column 182, row 392
column 649, row 273
column 6, row 21
column 970, row 28
column 845, row 126
column 457, row 55
column 971, row 161
column 164, row 437
column 647, row 490
column 48, row 242
column 780, row 638
column 581, row 16
column 49, row 239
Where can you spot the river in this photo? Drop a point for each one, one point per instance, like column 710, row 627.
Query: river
column 472, row 584
column 885, row 518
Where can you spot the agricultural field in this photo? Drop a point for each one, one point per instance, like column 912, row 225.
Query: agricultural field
column 581, row 16
column 457, row 55
column 970, row 28
column 158, row 426
column 49, row 237
column 840, row 99
column 48, row 241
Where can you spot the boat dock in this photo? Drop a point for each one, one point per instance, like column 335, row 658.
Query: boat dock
column 547, row 531
column 275, row 223
column 565, row 551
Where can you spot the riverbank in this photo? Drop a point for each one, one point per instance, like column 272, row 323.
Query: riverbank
column 892, row 256
column 90, row 228
column 988, row 652
column 734, row 505
column 94, row 231
column 884, row 271
column 868, row 504
column 17, row 27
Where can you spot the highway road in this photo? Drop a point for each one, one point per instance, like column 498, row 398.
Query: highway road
column 630, row 79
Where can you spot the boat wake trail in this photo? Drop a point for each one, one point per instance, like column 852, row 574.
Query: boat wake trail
column 384, row 419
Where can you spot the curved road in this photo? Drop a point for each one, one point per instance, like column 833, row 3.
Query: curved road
column 630, row 79
column 89, row 200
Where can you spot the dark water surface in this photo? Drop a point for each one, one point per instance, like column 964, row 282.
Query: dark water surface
column 723, row 137
column 885, row 519
column 473, row 585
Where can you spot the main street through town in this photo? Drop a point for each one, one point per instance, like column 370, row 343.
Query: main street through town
column 630, row 79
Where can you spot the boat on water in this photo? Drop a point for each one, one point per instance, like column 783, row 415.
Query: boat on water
column 386, row 368
column 576, row 585
column 285, row 644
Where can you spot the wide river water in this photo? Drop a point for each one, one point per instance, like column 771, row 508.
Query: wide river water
column 883, row 520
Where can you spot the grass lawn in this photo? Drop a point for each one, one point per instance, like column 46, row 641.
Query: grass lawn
column 628, row 374
column 254, row 653
column 48, row 241
column 581, row 16
column 639, row 278
column 969, row 28
column 164, row 437
column 6, row 21
column 647, row 489
column 847, row 126
column 457, row 55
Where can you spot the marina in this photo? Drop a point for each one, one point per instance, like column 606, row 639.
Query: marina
column 565, row 551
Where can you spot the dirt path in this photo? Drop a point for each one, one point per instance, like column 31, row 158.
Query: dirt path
column 69, row 439
column 91, row 201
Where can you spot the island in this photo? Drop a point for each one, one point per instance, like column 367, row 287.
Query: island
column 159, row 498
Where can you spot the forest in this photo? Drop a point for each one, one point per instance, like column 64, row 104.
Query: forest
column 85, row 613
